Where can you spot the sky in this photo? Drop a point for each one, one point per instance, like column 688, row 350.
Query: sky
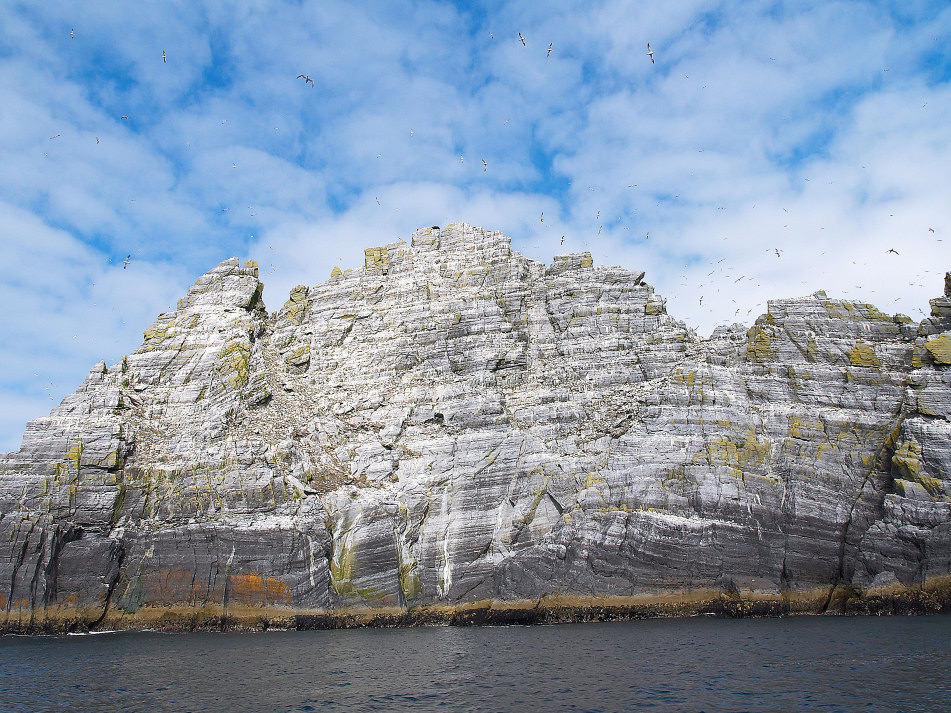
column 764, row 150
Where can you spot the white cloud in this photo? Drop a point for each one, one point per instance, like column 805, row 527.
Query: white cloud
column 760, row 127
column 69, row 306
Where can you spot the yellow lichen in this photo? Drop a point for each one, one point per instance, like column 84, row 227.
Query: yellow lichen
column 376, row 258
column 939, row 349
column 759, row 345
column 233, row 363
column 863, row 354
column 907, row 460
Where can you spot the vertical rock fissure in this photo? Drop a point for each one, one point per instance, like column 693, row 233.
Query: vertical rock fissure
column 111, row 586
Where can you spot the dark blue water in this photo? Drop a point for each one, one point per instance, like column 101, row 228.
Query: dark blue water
column 761, row 665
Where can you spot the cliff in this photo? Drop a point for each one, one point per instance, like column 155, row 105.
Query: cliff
column 457, row 426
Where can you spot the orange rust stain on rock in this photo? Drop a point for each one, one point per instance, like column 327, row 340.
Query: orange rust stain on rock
column 251, row 588
column 174, row 586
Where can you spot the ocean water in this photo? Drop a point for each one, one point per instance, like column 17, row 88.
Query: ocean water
column 699, row 664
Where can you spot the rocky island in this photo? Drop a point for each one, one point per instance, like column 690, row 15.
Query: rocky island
column 455, row 433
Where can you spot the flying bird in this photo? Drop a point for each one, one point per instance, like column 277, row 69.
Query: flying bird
column 55, row 136
column 521, row 38
column 125, row 263
column 892, row 250
column 931, row 230
column 549, row 49
column 562, row 239
column 650, row 52
column 778, row 252
column 124, row 116
column 542, row 218
column 485, row 166
column 164, row 60
column 307, row 80
column 72, row 33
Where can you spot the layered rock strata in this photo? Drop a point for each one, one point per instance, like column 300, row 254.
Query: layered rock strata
column 456, row 423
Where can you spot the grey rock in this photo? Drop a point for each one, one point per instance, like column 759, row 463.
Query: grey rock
column 455, row 422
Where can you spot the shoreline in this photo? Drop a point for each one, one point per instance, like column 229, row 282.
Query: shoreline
column 932, row 598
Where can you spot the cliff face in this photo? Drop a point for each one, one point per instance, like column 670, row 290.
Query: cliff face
column 455, row 422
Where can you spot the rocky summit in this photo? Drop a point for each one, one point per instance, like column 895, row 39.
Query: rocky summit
column 455, row 432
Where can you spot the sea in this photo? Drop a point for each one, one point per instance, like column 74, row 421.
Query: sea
column 697, row 664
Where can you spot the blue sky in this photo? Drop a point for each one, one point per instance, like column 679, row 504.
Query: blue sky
column 818, row 129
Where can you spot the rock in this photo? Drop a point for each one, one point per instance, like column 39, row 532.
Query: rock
column 454, row 422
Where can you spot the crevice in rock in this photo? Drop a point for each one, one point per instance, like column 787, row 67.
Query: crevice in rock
column 111, row 587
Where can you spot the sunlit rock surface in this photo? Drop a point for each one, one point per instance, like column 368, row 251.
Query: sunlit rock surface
column 455, row 422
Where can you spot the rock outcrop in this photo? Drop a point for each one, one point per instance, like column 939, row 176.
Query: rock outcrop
column 456, row 423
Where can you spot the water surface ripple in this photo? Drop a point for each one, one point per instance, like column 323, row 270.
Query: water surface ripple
column 757, row 665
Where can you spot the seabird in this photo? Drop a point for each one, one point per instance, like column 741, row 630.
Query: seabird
column 72, row 33
column 931, row 230
column 377, row 200
column 562, row 239
column 549, row 49
column 55, row 136
column 778, row 251
column 164, row 60
column 650, row 52
column 97, row 139
column 521, row 38
column 307, row 80
column 542, row 218
column 892, row 250
column 124, row 116
column 125, row 263
column 485, row 166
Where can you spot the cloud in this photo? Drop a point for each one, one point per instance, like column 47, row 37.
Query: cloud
column 69, row 306
column 759, row 127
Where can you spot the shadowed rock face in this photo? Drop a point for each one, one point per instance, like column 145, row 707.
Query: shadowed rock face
column 455, row 422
